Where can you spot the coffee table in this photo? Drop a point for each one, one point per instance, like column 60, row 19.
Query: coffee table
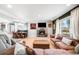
column 44, row 44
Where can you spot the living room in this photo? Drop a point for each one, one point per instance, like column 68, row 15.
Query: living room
column 37, row 29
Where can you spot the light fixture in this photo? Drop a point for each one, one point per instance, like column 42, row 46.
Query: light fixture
column 9, row 6
column 68, row 4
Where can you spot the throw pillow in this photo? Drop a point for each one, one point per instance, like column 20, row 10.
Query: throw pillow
column 19, row 49
column 77, row 49
column 30, row 51
column 59, row 36
column 52, row 36
column 67, row 41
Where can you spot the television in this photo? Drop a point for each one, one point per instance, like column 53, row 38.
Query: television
column 41, row 24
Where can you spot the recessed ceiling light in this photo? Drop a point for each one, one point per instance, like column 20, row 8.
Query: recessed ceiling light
column 9, row 6
column 68, row 4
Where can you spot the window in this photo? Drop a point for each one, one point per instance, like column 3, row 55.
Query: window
column 12, row 27
column 65, row 26
column 2, row 26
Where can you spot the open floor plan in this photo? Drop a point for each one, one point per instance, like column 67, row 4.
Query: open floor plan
column 39, row 29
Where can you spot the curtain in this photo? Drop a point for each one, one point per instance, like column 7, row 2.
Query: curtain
column 74, row 23
column 57, row 26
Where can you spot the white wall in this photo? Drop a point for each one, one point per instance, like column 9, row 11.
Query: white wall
column 49, row 28
column 33, row 32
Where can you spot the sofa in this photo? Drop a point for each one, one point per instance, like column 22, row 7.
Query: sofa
column 30, row 51
column 51, row 52
column 59, row 44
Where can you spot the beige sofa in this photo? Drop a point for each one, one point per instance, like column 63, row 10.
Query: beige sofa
column 60, row 45
column 10, row 51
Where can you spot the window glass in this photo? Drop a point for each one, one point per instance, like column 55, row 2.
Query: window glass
column 2, row 26
column 12, row 27
column 65, row 26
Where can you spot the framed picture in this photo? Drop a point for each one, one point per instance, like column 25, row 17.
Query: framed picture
column 49, row 25
column 33, row 26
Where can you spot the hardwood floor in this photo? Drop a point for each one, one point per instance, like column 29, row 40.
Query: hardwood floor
column 29, row 41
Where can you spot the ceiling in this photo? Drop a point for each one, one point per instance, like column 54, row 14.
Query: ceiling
column 26, row 12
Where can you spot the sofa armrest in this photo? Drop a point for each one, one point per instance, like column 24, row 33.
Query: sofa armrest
column 55, row 40
column 61, row 45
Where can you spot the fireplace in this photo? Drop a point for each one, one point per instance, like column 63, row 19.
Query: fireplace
column 41, row 33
